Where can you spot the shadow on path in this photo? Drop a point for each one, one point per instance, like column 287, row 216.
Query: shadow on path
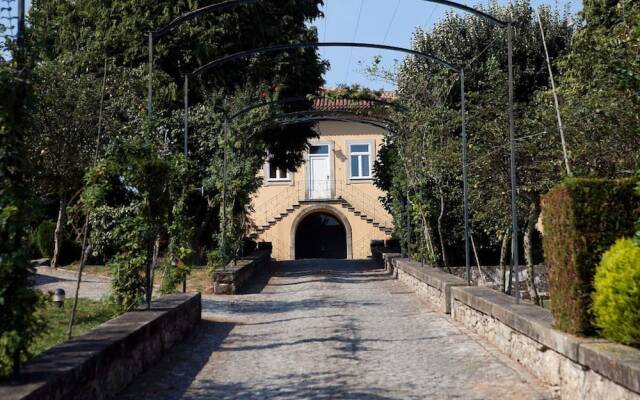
column 188, row 357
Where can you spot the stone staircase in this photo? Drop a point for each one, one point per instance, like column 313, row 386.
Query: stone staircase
column 261, row 228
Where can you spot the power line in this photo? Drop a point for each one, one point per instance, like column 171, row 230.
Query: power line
column 355, row 34
column 428, row 20
column 393, row 17
column 326, row 16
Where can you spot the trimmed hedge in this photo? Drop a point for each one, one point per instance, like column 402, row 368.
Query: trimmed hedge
column 616, row 300
column 44, row 238
column 582, row 218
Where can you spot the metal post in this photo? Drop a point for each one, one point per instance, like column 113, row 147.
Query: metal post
column 408, row 208
column 514, row 180
column 223, row 249
column 150, row 90
column 20, row 32
column 149, row 119
column 465, row 179
column 186, row 116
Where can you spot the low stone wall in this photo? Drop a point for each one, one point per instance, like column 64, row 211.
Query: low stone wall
column 100, row 363
column 236, row 275
column 384, row 257
column 579, row 368
column 432, row 284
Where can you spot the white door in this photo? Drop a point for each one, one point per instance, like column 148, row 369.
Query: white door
column 320, row 178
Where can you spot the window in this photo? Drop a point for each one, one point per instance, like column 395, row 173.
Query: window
column 317, row 150
column 277, row 174
column 360, row 159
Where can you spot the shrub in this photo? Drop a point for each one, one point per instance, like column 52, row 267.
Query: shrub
column 616, row 300
column 173, row 274
column 45, row 234
column 582, row 219
column 215, row 261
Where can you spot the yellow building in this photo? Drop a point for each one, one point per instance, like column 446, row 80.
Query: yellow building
column 329, row 207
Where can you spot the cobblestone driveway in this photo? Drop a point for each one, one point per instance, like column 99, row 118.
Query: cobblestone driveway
column 331, row 330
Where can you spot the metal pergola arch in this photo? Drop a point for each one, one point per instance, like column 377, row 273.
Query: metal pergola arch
column 299, row 99
column 230, row 4
column 425, row 56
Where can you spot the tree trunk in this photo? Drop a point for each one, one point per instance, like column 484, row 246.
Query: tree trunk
column 57, row 237
column 528, row 252
column 151, row 266
column 443, row 249
column 504, row 249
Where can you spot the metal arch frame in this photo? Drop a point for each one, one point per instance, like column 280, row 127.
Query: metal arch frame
column 299, row 99
column 292, row 46
column 345, row 116
column 426, row 56
column 229, row 4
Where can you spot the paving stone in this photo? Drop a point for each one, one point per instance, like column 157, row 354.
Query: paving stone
column 326, row 329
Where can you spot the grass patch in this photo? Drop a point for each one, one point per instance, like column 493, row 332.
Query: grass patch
column 199, row 280
column 90, row 314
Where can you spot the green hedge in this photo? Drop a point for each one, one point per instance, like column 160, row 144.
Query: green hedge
column 616, row 300
column 582, row 218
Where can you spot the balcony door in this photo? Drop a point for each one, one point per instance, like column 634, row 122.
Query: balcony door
column 319, row 173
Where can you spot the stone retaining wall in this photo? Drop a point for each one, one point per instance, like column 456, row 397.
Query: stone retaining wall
column 102, row 362
column 432, row 284
column 579, row 368
column 235, row 275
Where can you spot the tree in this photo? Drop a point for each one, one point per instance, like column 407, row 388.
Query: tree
column 480, row 48
column 61, row 134
column 18, row 301
column 117, row 29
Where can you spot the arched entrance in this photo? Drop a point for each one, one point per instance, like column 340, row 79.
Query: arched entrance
column 320, row 235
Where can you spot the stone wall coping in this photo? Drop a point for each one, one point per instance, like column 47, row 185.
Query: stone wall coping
column 232, row 270
column 617, row 362
column 431, row 276
column 389, row 256
column 236, row 274
column 81, row 359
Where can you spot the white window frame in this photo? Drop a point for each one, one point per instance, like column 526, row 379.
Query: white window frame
column 288, row 178
column 359, row 154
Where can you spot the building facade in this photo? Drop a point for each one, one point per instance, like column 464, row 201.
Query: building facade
column 329, row 207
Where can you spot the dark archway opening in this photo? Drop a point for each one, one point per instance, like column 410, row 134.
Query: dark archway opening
column 321, row 235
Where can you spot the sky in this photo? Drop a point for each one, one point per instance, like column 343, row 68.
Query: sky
column 390, row 22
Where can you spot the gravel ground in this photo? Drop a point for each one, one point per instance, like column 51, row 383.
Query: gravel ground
column 93, row 287
column 325, row 329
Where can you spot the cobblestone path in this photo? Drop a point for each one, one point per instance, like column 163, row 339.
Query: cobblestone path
column 331, row 330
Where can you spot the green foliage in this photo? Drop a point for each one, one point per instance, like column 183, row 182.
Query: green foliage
column 128, row 196
column 427, row 138
column 216, row 261
column 582, row 218
column 173, row 274
column 18, row 324
column 115, row 29
column 90, row 314
column 616, row 299
column 44, row 238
